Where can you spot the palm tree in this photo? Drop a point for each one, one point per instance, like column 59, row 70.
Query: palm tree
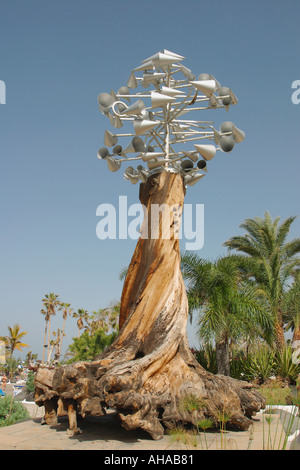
column 229, row 306
column 13, row 340
column 47, row 316
column 82, row 316
column 274, row 260
column 55, row 345
column 107, row 318
column 66, row 310
column 51, row 302
column 123, row 273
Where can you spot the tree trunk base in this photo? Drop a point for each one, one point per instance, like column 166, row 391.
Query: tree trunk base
column 181, row 393
column 149, row 375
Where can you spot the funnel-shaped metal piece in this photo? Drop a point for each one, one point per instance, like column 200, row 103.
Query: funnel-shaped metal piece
column 113, row 164
column 205, row 86
column 159, row 99
column 135, row 109
column 132, row 81
column 110, row 139
column 193, row 179
column 143, row 125
column 136, row 145
column 206, row 151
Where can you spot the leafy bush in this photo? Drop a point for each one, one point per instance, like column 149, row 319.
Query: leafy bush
column 260, row 364
column 30, row 382
column 239, row 367
column 207, row 358
column 285, row 367
column 87, row 346
column 11, row 411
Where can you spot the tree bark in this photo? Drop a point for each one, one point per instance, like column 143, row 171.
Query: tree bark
column 222, row 353
column 279, row 332
column 296, row 334
column 149, row 372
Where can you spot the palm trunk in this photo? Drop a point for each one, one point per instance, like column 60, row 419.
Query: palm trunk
column 222, row 352
column 296, row 333
column 279, row 332
column 44, row 344
column 49, row 332
column 149, row 371
column 62, row 335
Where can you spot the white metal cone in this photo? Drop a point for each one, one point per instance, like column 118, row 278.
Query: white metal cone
column 110, row 139
column 152, row 77
column 191, row 180
column 160, row 59
column 155, row 164
column 132, row 81
column 132, row 178
column 159, row 99
column 213, row 101
column 176, row 56
column 234, row 99
column 150, row 156
column 206, row 151
column 205, row 86
column 144, row 66
column 238, row 134
column 171, row 91
column 216, row 136
column 117, row 123
column 136, row 145
column 136, row 108
column 192, row 155
column 113, row 164
column 185, row 70
column 143, row 126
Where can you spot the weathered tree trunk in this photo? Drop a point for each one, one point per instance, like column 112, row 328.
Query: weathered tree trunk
column 149, row 373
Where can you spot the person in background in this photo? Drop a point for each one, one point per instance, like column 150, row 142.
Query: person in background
column 4, row 380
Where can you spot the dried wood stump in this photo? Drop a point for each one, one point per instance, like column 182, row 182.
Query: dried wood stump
column 149, row 375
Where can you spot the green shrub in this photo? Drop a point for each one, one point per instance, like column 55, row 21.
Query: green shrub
column 207, row 358
column 239, row 367
column 30, row 382
column 87, row 346
column 261, row 364
column 285, row 367
column 11, row 411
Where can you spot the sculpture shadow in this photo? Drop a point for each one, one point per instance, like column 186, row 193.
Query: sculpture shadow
column 104, row 428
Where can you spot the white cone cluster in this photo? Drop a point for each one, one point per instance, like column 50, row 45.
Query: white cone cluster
column 158, row 122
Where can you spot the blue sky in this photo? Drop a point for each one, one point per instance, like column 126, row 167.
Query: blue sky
column 55, row 58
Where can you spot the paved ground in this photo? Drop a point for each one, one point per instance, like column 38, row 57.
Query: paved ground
column 106, row 434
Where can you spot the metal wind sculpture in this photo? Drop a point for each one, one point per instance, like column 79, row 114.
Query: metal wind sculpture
column 149, row 371
column 161, row 127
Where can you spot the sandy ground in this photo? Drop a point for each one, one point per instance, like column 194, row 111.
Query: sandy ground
column 107, row 434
